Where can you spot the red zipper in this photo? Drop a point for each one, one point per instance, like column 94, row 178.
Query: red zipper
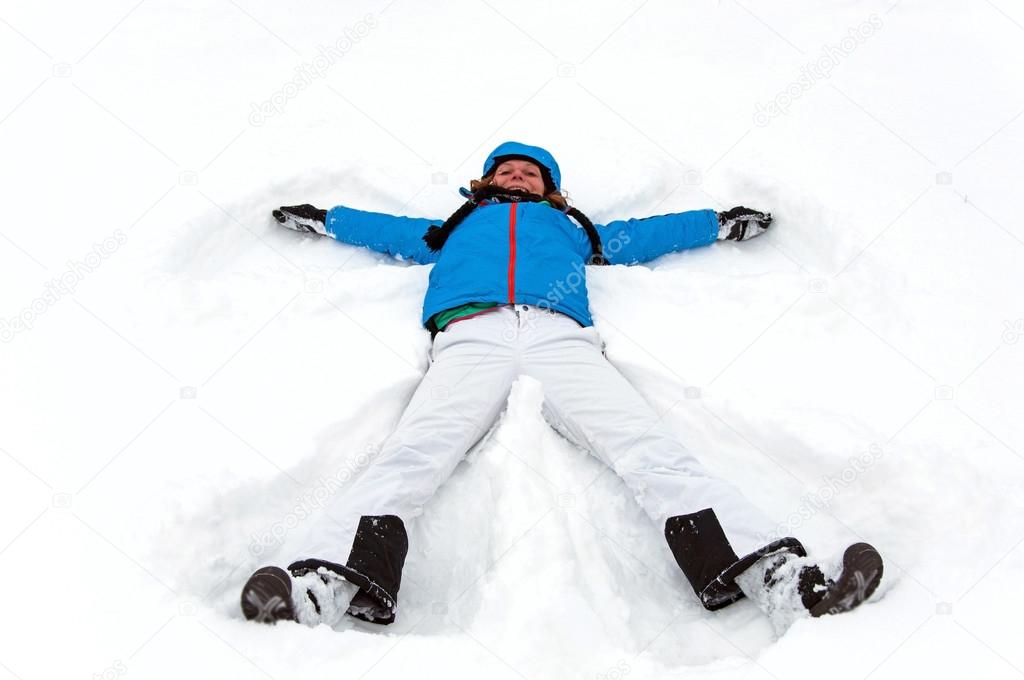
column 512, row 255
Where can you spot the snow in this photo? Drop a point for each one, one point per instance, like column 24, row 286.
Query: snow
column 185, row 383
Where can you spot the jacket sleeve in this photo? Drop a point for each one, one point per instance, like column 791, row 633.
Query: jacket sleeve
column 640, row 240
column 400, row 237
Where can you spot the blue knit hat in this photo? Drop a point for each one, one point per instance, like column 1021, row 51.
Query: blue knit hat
column 515, row 150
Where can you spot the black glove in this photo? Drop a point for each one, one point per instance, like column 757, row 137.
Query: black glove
column 305, row 218
column 741, row 224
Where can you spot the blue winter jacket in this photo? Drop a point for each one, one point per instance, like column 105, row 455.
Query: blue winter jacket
column 527, row 253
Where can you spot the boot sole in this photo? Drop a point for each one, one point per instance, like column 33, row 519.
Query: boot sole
column 862, row 572
column 267, row 596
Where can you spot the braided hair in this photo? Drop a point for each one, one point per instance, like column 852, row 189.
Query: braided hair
column 484, row 190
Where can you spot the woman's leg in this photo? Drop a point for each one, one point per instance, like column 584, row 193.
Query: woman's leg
column 362, row 534
column 710, row 526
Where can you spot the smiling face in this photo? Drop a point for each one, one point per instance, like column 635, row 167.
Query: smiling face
column 520, row 174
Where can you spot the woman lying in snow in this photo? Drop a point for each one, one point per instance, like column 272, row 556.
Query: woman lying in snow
column 507, row 297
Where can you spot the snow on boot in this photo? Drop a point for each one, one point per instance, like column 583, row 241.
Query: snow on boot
column 320, row 596
column 272, row 594
column 786, row 587
column 305, row 218
column 267, row 596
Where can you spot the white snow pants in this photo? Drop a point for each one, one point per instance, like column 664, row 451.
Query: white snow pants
column 473, row 365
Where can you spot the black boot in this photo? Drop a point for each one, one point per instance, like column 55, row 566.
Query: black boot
column 267, row 596
column 703, row 552
column 787, row 587
column 861, row 573
column 374, row 565
column 307, row 596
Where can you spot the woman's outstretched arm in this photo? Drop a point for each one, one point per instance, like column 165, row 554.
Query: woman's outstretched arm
column 393, row 235
column 641, row 240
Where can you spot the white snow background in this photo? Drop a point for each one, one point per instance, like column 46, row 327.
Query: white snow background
column 182, row 378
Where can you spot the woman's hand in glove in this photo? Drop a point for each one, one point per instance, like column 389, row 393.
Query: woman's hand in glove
column 741, row 224
column 305, row 218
